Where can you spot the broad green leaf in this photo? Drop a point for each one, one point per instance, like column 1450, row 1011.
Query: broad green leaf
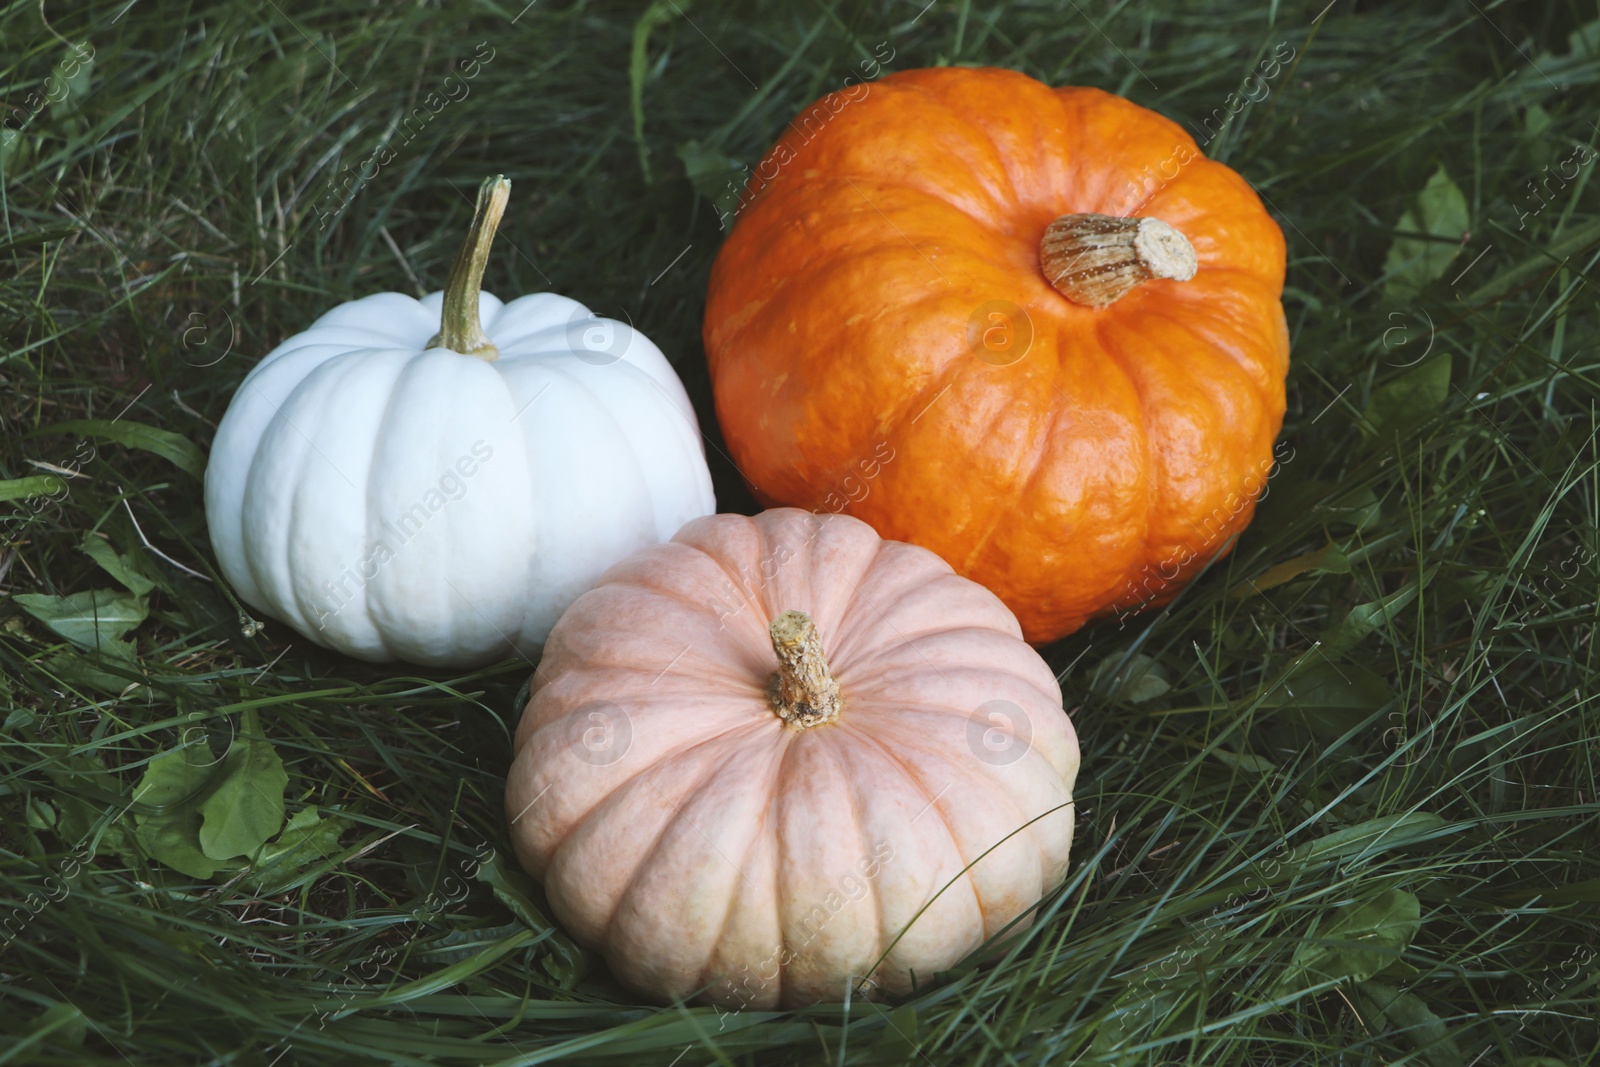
column 1137, row 1014
column 1328, row 698
column 65, row 1021
column 1586, row 892
column 1374, row 835
column 1363, row 619
column 1536, row 120
column 81, row 59
column 172, row 840
column 88, row 800
column 717, row 177
column 1320, row 683
column 458, row 945
column 1406, row 1013
column 119, row 567
column 164, row 443
column 13, row 150
column 455, row 974
column 1329, row 559
column 98, row 674
column 32, row 238
column 38, row 813
column 1408, row 400
column 306, row 838
column 1359, row 509
column 24, row 488
column 247, row 806
column 1291, row 498
column 1360, row 941
column 898, row 1042
column 513, row 889
column 1140, row 679
column 93, row 620
column 1584, row 41
column 1245, row 762
column 1440, row 211
column 173, row 781
column 566, row 963
column 1399, row 969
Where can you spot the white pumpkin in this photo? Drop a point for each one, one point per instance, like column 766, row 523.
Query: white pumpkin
column 394, row 490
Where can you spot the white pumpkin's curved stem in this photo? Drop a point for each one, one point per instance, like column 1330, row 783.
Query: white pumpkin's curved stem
column 460, row 329
column 1096, row 260
column 804, row 693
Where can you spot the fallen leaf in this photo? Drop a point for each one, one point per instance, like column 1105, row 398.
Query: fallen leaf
column 94, row 620
column 1440, row 211
column 1360, row 941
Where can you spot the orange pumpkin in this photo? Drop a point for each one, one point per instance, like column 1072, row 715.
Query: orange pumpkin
column 1031, row 329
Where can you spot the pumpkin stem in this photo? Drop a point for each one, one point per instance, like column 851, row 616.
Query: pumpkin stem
column 460, row 329
column 803, row 693
column 1096, row 260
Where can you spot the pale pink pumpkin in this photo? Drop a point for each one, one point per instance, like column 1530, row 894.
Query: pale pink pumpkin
column 765, row 758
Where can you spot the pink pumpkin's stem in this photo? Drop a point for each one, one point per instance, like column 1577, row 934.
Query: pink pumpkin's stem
column 803, row 693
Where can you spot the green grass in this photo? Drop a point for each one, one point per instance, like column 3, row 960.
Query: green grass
column 1246, row 791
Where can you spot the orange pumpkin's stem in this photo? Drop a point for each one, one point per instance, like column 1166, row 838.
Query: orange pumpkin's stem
column 1096, row 260
column 804, row 693
column 460, row 329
